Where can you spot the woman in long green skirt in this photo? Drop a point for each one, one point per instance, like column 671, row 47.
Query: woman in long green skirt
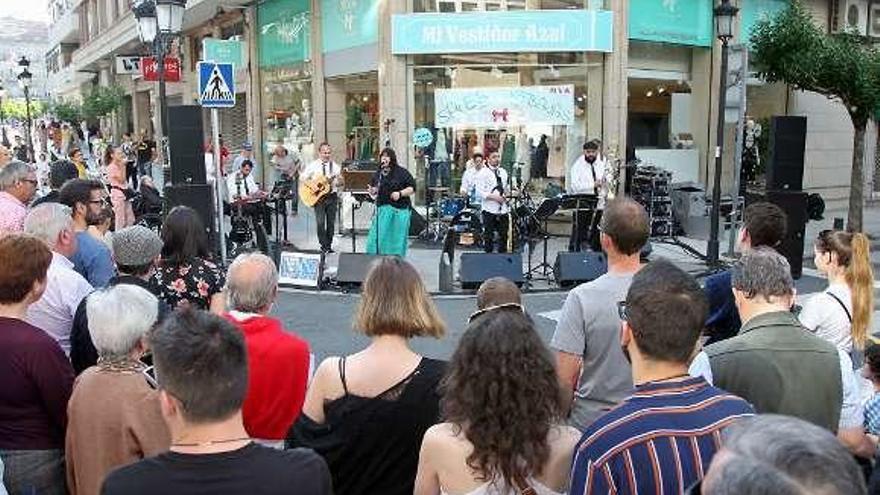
column 391, row 189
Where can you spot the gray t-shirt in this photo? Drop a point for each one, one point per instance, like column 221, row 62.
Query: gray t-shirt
column 590, row 327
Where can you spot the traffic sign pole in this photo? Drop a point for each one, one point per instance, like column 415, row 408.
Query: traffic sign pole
column 218, row 182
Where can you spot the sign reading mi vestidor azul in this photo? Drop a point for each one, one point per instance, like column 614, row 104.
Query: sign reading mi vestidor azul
column 506, row 31
column 501, row 107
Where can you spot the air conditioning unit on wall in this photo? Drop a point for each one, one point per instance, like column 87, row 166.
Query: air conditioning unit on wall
column 851, row 16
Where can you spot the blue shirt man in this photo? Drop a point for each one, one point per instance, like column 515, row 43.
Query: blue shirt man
column 92, row 260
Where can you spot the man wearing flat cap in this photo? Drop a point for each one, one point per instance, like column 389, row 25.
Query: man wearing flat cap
column 136, row 250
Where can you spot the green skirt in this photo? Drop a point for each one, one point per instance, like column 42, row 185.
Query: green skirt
column 389, row 232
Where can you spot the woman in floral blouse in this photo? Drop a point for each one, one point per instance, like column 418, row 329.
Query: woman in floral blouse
column 186, row 276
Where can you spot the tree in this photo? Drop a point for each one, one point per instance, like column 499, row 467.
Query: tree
column 66, row 111
column 16, row 108
column 792, row 49
column 102, row 101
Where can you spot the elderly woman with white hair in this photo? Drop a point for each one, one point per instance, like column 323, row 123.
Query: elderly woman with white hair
column 113, row 415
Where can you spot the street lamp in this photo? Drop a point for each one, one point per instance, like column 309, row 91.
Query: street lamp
column 159, row 22
column 725, row 15
column 24, row 79
column 5, row 140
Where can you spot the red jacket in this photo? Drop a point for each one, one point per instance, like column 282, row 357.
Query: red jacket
column 278, row 372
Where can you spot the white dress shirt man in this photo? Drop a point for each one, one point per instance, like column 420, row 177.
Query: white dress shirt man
column 325, row 209
column 491, row 184
column 469, row 180
column 65, row 288
column 241, row 185
column 587, row 177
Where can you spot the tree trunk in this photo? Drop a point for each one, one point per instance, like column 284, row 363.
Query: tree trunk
column 876, row 177
column 857, row 180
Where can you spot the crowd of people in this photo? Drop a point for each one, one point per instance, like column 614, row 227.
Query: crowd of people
column 133, row 363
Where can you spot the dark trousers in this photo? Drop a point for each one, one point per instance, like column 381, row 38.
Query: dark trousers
column 131, row 174
column 585, row 231
column 34, row 471
column 325, row 215
column 493, row 224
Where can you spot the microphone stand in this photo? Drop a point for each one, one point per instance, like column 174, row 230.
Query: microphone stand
column 376, row 211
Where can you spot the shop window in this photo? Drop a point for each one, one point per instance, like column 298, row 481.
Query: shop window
column 493, row 5
column 287, row 108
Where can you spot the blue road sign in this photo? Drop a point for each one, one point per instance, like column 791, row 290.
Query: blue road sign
column 216, row 85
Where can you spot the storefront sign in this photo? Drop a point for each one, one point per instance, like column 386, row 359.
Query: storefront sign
column 500, row 107
column 423, row 137
column 348, row 24
column 128, row 64
column 753, row 11
column 682, row 22
column 223, row 51
column 285, row 35
column 510, row 31
column 150, row 71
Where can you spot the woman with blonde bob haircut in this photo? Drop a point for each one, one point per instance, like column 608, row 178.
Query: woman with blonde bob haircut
column 366, row 413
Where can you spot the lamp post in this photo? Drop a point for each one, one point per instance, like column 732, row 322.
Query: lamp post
column 24, row 79
column 724, row 14
column 159, row 22
column 5, row 140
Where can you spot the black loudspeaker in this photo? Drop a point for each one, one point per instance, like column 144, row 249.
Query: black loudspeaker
column 476, row 268
column 353, row 268
column 788, row 137
column 571, row 269
column 185, row 145
column 417, row 223
column 794, row 204
column 199, row 197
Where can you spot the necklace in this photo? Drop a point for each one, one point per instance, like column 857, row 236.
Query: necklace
column 658, row 380
column 208, row 443
column 124, row 364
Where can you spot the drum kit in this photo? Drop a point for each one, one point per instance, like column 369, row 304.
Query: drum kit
column 459, row 215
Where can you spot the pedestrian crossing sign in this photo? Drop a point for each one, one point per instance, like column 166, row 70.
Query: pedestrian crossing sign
column 216, row 85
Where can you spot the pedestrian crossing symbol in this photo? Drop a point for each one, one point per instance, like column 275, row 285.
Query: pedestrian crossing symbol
column 216, row 85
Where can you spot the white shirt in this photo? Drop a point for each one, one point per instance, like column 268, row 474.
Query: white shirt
column 824, row 316
column 239, row 187
column 486, row 183
column 852, row 413
column 317, row 168
column 468, row 180
column 54, row 312
column 582, row 181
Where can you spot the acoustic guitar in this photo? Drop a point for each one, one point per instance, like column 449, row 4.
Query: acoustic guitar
column 311, row 191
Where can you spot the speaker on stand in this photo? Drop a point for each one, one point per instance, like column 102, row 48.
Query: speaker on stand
column 185, row 144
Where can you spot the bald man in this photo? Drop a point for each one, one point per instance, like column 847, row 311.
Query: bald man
column 278, row 361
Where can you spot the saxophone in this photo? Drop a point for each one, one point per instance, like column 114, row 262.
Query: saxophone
column 612, row 171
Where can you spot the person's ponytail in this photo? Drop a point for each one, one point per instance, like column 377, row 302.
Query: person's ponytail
column 860, row 278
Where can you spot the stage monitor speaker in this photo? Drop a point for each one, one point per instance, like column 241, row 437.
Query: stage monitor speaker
column 353, row 268
column 185, row 144
column 785, row 167
column 794, row 204
column 199, row 197
column 417, row 223
column 572, row 269
column 476, row 268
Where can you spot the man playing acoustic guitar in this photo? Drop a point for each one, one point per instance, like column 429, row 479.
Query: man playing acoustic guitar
column 320, row 182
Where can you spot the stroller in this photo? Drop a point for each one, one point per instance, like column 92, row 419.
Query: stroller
column 147, row 206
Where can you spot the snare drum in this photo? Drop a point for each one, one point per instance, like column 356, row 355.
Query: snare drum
column 450, row 207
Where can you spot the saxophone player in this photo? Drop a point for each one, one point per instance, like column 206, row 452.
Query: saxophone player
column 587, row 177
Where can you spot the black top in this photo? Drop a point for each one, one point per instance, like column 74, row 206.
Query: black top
column 82, row 351
column 50, row 197
column 145, row 150
column 372, row 443
column 252, row 469
column 398, row 178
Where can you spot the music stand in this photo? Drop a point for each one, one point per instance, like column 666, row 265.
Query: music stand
column 578, row 203
column 357, row 183
column 547, row 208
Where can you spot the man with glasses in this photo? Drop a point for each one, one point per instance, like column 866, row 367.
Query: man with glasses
column 86, row 199
column 18, row 184
column 588, row 357
column 661, row 438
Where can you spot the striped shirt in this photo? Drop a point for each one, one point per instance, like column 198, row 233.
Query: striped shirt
column 659, row 440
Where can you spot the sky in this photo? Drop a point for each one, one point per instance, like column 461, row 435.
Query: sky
column 31, row 10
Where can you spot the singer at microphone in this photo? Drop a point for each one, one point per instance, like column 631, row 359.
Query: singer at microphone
column 391, row 188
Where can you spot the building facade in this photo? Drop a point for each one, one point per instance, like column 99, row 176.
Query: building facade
column 547, row 74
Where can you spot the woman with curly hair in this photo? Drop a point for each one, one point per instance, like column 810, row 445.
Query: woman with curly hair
column 504, row 432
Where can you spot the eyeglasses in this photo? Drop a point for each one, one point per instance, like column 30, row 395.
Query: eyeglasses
column 483, row 311
column 621, row 311
column 102, row 201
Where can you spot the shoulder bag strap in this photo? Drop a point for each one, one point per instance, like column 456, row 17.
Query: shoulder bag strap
column 842, row 305
column 523, row 487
